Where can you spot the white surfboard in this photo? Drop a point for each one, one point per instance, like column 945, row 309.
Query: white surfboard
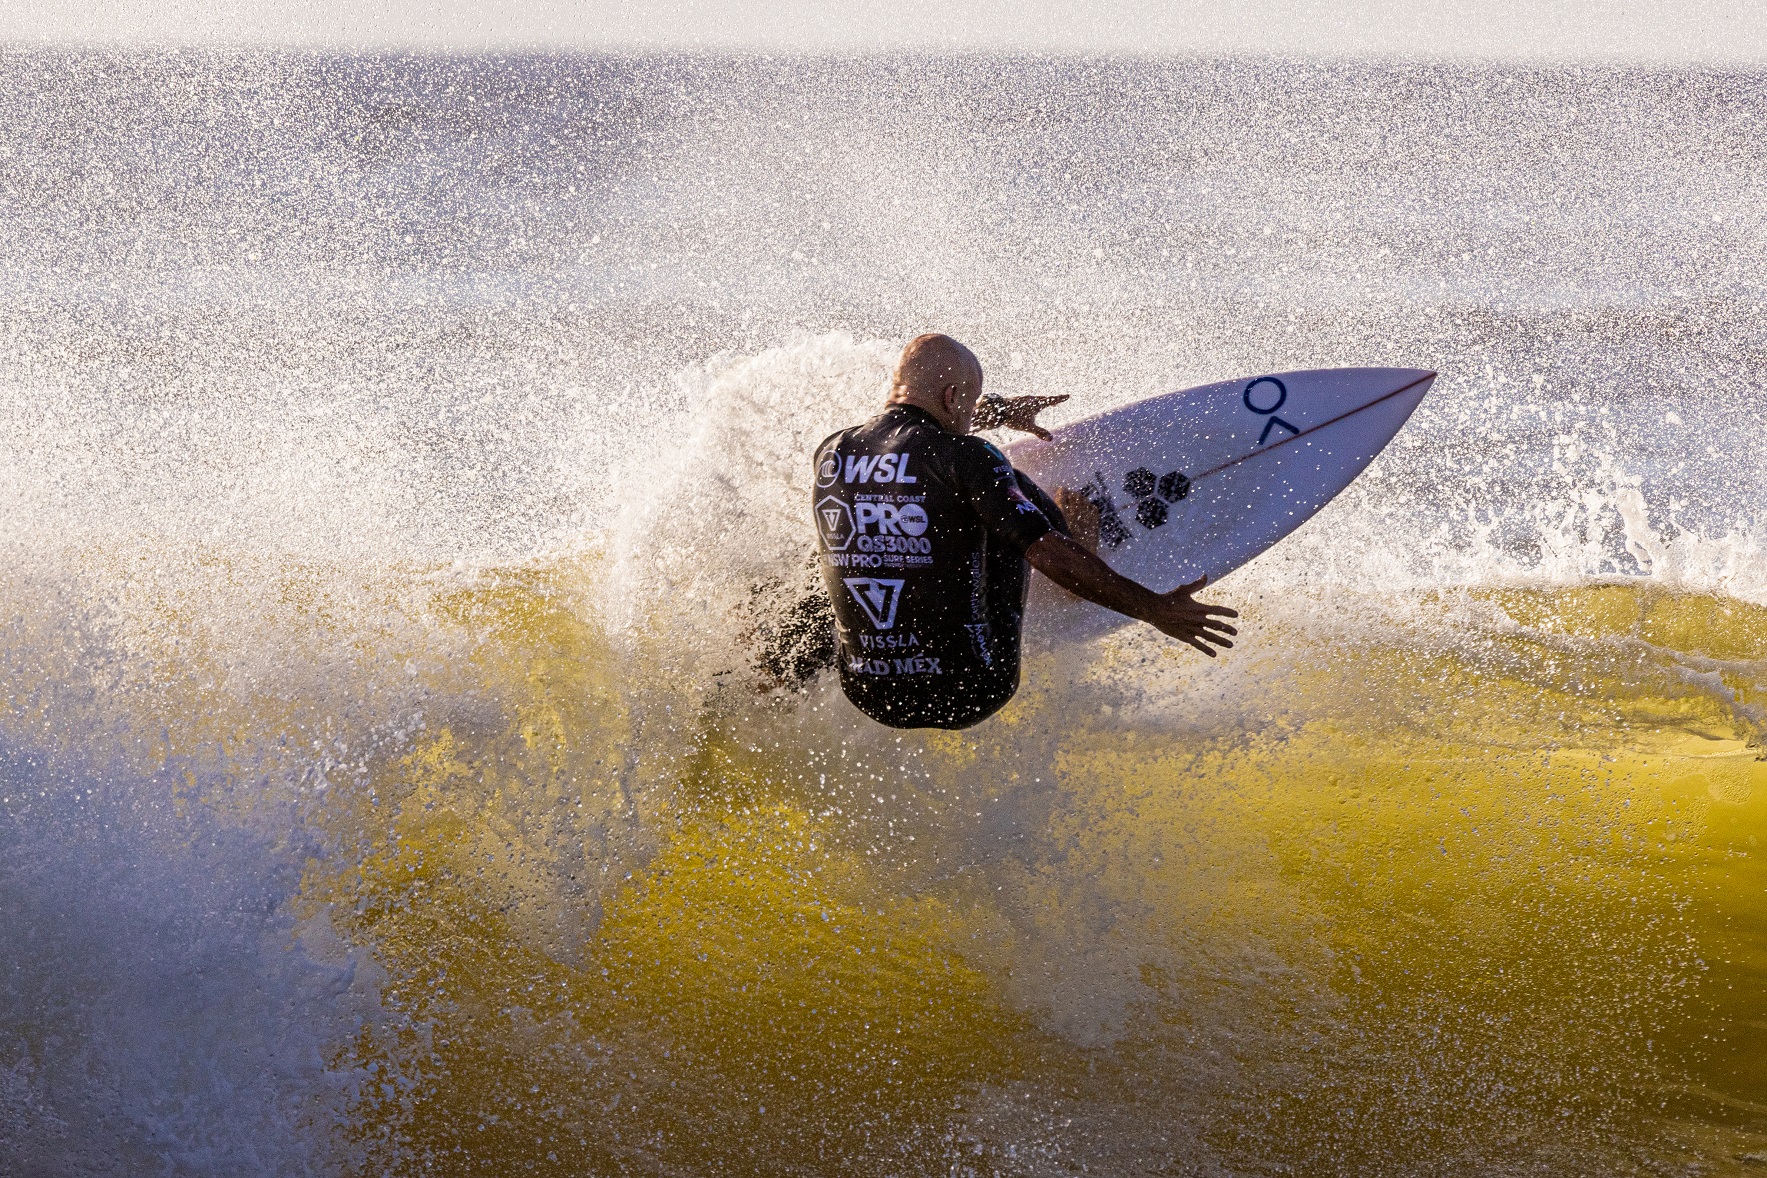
column 1203, row 480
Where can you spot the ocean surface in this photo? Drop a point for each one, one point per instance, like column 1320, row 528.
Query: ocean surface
column 402, row 461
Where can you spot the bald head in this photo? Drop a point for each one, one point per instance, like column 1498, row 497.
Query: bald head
column 932, row 361
column 941, row 376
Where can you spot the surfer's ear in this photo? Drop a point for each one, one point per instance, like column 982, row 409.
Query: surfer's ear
column 951, row 396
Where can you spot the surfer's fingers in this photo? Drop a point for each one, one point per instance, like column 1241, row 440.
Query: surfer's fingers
column 1207, row 631
column 1220, row 611
column 1041, row 432
column 1192, row 587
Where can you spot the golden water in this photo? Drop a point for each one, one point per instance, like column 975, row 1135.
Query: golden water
column 1476, row 891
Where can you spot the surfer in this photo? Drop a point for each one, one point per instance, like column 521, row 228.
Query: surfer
column 927, row 535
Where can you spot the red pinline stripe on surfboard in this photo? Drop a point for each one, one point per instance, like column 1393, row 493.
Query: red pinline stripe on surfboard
column 1312, row 429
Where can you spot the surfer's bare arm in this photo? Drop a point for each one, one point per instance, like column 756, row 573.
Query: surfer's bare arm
column 1081, row 515
column 1019, row 413
column 1177, row 613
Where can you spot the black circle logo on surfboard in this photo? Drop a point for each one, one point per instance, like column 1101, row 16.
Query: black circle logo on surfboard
column 1281, row 395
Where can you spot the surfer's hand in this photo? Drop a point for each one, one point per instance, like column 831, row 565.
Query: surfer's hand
column 1177, row 613
column 1181, row 616
column 1019, row 413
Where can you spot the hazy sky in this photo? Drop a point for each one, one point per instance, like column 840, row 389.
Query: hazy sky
column 1631, row 30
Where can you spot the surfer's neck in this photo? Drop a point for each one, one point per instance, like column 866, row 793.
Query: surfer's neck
column 919, row 411
column 953, row 406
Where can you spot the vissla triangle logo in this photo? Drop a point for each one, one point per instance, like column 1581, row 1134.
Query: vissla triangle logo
column 878, row 598
column 834, row 519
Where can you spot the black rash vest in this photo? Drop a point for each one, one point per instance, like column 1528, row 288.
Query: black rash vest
column 922, row 534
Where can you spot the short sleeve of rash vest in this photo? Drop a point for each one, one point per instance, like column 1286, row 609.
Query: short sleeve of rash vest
column 986, row 481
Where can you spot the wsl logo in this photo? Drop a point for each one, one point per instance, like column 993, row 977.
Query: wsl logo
column 862, row 468
column 877, row 468
column 878, row 598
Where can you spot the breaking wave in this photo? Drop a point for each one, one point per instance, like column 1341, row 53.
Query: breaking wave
column 389, row 783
